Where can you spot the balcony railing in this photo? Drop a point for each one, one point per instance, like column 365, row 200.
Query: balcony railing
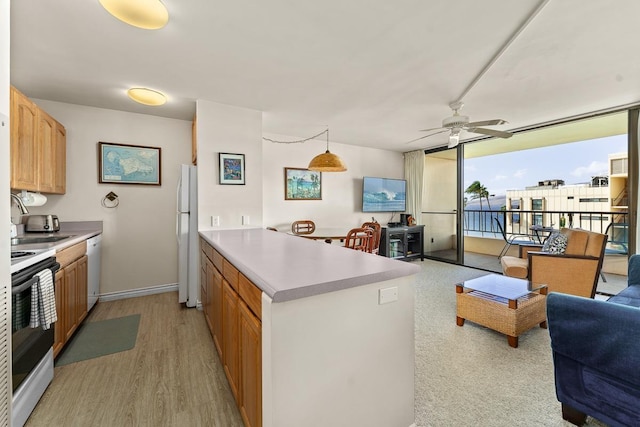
column 482, row 223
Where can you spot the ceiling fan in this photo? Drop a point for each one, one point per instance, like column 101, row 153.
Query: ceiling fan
column 457, row 123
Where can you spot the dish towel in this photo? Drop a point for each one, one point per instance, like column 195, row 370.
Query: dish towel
column 43, row 301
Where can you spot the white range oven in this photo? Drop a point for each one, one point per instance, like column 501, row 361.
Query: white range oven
column 31, row 348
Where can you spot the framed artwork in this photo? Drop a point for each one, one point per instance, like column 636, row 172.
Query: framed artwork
column 231, row 168
column 128, row 164
column 302, row 184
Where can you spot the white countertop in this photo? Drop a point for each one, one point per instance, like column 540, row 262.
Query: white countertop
column 288, row 267
column 78, row 231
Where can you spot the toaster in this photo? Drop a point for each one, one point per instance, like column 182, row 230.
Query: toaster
column 42, row 223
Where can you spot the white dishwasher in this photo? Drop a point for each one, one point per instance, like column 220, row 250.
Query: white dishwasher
column 93, row 270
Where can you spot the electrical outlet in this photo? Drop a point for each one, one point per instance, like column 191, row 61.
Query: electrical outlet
column 215, row 220
column 432, row 240
column 387, row 295
column 245, row 219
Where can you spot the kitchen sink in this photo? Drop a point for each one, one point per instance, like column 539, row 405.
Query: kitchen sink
column 27, row 240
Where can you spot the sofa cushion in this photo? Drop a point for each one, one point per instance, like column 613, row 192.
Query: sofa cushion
column 556, row 243
column 515, row 267
column 628, row 296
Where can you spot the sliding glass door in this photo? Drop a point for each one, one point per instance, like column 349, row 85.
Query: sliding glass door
column 441, row 211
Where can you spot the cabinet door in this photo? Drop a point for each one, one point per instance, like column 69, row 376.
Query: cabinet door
column 59, row 327
column 230, row 338
column 24, row 150
column 46, row 140
column 81, row 291
column 70, row 291
column 205, row 294
column 60, row 160
column 216, row 309
column 251, row 367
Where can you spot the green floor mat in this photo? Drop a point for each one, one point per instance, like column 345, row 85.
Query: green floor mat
column 95, row 339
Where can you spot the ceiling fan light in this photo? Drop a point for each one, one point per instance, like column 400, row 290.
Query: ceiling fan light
column 327, row 162
column 454, row 139
column 146, row 96
column 146, row 14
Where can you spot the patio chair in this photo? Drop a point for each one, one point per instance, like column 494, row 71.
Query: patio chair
column 514, row 239
column 574, row 271
column 618, row 239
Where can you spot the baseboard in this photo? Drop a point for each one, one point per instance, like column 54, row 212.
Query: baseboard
column 133, row 293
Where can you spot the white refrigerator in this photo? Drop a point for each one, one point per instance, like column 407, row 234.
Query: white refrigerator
column 187, row 235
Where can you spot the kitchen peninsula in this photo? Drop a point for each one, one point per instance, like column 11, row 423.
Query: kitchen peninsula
column 335, row 329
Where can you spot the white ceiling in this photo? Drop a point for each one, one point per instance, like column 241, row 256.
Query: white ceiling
column 374, row 71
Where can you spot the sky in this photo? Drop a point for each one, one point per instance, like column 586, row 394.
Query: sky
column 574, row 163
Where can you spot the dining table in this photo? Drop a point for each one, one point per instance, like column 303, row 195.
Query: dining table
column 328, row 234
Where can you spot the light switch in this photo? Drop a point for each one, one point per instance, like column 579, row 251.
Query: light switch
column 387, row 295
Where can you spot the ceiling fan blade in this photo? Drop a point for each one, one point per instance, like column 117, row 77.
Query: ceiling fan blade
column 487, row 123
column 490, row 132
column 429, row 130
column 427, row 136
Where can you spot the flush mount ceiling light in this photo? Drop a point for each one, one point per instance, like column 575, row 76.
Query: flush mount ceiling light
column 147, row 96
column 327, row 161
column 147, row 14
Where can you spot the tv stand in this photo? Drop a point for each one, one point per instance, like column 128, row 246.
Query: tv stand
column 402, row 242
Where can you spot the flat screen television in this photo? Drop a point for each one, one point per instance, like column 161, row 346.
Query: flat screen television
column 383, row 194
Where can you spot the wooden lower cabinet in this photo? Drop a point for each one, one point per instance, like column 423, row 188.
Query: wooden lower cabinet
column 60, row 331
column 71, row 299
column 234, row 308
column 251, row 367
column 216, row 309
column 230, row 338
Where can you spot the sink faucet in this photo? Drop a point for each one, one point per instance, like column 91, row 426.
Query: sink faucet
column 21, row 206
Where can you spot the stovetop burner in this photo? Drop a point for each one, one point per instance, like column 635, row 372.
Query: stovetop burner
column 20, row 254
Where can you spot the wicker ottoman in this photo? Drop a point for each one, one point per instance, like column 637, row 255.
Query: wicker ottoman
column 505, row 304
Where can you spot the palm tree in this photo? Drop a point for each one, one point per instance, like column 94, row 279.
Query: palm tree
column 477, row 191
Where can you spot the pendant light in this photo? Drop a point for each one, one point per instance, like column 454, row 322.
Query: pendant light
column 146, row 14
column 327, row 161
column 147, row 96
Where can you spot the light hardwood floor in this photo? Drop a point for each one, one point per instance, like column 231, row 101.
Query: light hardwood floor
column 172, row 377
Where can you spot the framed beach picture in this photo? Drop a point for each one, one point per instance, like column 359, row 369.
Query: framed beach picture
column 231, row 168
column 128, row 164
column 302, row 184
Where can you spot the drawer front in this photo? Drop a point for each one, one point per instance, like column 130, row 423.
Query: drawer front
column 252, row 295
column 217, row 259
column 230, row 273
column 208, row 250
column 70, row 254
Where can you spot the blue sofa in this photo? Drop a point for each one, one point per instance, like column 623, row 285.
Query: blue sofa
column 596, row 354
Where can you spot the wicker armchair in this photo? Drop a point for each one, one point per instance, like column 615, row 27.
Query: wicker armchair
column 574, row 272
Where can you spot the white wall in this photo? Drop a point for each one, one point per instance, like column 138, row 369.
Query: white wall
column 5, row 212
column 341, row 202
column 139, row 243
column 226, row 129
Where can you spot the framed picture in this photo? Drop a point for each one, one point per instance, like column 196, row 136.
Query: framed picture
column 231, row 168
column 128, row 164
column 302, row 184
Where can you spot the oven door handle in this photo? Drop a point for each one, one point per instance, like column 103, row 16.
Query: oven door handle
column 26, row 285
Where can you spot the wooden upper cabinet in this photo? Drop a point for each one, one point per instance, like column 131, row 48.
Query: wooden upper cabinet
column 24, row 149
column 38, row 148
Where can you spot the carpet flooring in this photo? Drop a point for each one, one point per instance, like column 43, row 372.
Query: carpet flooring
column 469, row 376
column 95, row 339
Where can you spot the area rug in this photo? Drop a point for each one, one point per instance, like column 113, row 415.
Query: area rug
column 95, row 339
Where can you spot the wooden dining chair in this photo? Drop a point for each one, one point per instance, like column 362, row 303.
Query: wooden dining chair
column 358, row 239
column 305, row 226
column 374, row 244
